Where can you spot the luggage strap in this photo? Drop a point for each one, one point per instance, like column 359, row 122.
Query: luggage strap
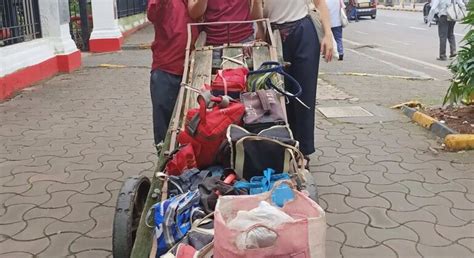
column 269, row 69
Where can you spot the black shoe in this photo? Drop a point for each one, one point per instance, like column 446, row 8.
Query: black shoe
column 453, row 55
column 306, row 166
column 442, row 58
column 341, row 57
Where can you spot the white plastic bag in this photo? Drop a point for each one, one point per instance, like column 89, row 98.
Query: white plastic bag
column 264, row 218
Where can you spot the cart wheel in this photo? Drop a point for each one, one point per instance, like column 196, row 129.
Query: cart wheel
column 129, row 208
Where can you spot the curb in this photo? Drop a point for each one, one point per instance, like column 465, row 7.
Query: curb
column 459, row 141
column 398, row 9
column 453, row 140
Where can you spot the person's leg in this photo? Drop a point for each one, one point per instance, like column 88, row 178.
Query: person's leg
column 164, row 89
column 301, row 48
column 337, row 32
column 353, row 13
column 443, row 35
column 451, row 38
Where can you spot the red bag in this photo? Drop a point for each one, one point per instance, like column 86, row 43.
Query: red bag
column 230, row 82
column 181, row 159
column 206, row 129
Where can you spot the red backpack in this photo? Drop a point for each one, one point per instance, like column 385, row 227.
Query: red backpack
column 206, row 128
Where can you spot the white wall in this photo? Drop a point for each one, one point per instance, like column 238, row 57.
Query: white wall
column 55, row 40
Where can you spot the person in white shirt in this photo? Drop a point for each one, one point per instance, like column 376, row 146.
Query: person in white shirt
column 334, row 7
column 302, row 49
column 445, row 26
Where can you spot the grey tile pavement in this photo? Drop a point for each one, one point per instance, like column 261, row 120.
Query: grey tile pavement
column 67, row 144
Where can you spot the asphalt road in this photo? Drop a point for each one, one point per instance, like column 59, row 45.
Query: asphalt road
column 397, row 43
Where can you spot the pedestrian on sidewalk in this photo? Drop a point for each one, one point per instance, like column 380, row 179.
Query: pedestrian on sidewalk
column 302, row 49
column 335, row 7
column 170, row 19
column 445, row 26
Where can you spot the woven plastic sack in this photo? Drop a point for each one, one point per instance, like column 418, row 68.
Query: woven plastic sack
column 304, row 237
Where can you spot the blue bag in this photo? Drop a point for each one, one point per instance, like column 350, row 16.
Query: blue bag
column 261, row 184
column 173, row 219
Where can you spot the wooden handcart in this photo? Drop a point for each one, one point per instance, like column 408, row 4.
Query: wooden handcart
column 132, row 237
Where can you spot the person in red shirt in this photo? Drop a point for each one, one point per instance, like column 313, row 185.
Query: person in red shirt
column 170, row 19
column 220, row 11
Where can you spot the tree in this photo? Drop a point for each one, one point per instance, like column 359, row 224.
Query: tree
column 462, row 85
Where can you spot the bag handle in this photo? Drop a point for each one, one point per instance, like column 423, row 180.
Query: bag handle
column 206, row 219
column 224, row 81
column 246, row 231
column 205, row 99
column 276, row 67
column 299, row 154
column 262, row 95
column 291, row 149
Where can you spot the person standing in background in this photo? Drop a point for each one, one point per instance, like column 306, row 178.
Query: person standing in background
column 302, row 49
column 335, row 7
column 170, row 19
column 353, row 10
column 445, row 26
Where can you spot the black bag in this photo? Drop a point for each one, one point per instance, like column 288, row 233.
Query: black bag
column 250, row 154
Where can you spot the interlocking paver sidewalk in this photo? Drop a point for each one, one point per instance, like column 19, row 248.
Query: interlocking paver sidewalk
column 68, row 143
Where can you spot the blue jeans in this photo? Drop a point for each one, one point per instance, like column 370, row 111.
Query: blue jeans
column 337, row 32
column 353, row 14
column 301, row 49
column 164, row 89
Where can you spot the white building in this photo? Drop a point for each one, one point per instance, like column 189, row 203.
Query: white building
column 36, row 42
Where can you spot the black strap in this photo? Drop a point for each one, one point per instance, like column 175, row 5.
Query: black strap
column 275, row 67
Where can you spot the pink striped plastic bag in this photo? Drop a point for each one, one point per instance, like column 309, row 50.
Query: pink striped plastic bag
column 305, row 237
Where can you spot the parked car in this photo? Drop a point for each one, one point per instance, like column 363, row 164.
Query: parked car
column 364, row 7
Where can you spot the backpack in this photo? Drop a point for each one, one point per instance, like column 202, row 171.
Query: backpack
column 173, row 218
column 205, row 128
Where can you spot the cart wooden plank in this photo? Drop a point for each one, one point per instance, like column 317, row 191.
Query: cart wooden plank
column 144, row 237
column 260, row 54
column 202, row 68
column 235, row 53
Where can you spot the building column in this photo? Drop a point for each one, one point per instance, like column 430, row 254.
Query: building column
column 106, row 35
column 54, row 16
